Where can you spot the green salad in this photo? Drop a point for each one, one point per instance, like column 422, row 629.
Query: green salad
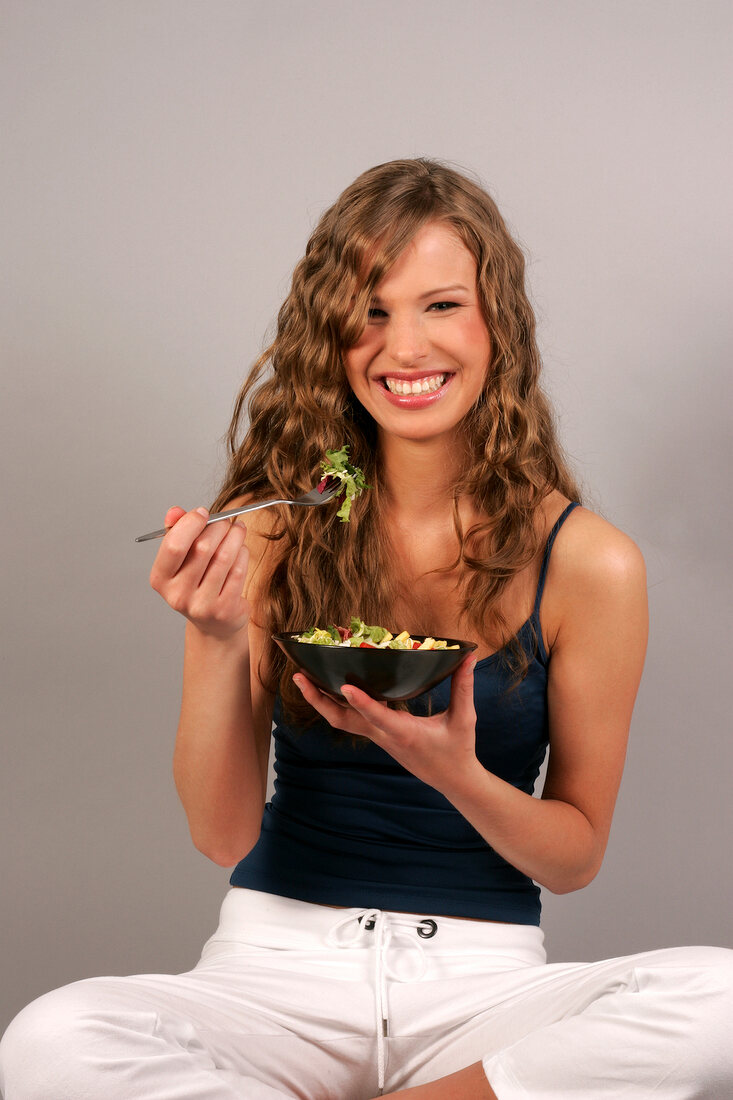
column 358, row 634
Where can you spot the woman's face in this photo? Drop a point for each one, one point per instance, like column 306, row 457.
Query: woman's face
column 421, row 362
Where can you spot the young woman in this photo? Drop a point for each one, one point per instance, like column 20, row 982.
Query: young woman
column 381, row 936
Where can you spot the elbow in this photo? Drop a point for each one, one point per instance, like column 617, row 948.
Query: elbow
column 220, row 858
column 581, row 860
column 573, row 879
column 567, row 886
column 224, row 851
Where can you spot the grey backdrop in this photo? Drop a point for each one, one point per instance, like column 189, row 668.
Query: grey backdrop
column 164, row 163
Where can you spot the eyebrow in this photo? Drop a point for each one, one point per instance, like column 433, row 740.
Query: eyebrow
column 434, row 293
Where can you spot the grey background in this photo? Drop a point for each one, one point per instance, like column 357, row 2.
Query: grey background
column 164, row 163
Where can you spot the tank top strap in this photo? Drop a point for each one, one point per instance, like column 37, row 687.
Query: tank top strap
column 546, row 557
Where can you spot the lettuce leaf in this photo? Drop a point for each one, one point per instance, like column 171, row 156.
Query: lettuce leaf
column 337, row 465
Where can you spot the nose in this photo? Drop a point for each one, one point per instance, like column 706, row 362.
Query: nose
column 406, row 342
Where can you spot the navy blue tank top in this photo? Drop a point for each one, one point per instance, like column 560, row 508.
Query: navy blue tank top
column 349, row 826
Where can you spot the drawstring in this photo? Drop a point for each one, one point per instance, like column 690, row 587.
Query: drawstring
column 388, row 929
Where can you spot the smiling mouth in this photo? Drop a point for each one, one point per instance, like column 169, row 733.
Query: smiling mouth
column 403, row 386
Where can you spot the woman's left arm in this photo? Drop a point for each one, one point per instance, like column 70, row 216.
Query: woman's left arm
column 595, row 618
column 598, row 602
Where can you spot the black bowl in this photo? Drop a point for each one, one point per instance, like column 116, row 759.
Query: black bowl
column 390, row 675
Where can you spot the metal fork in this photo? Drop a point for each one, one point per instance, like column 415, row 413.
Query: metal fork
column 308, row 500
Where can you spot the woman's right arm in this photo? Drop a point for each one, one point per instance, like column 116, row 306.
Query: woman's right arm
column 222, row 745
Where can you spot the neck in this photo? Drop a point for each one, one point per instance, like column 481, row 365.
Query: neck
column 419, row 476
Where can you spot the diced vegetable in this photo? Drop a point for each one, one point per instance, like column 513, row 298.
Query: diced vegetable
column 361, row 636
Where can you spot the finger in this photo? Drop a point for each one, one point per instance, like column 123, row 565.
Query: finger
column 224, row 559
column 222, row 553
column 233, row 596
column 336, row 714
column 377, row 714
column 172, row 516
column 202, row 550
column 176, row 545
column 231, row 603
column 462, row 703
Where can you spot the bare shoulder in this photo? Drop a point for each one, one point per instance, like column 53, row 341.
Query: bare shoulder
column 594, row 569
column 591, row 549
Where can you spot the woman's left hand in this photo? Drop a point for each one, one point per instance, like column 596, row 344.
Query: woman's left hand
column 434, row 749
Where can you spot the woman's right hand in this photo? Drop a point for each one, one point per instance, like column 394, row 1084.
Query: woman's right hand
column 200, row 571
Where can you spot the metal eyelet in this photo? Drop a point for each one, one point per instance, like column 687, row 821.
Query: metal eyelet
column 427, row 929
column 368, row 925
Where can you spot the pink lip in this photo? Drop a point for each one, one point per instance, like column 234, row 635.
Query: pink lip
column 413, row 400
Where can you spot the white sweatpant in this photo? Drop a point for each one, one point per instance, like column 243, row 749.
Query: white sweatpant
column 292, row 1000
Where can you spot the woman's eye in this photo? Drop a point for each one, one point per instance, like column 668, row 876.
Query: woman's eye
column 440, row 307
column 375, row 314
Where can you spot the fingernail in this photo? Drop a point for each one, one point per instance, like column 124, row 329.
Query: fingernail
column 347, row 692
column 203, row 512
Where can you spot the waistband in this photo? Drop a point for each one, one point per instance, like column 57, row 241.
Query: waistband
column 269, row 920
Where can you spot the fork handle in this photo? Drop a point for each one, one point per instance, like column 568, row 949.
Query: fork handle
column 217, row 516
column 246, row 508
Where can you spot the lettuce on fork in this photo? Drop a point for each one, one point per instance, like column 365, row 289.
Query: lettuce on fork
column 337, row 466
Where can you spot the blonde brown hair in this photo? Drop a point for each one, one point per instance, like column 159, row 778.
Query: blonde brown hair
column 299, row 404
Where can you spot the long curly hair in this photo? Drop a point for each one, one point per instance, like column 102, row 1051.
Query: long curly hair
column 296, row 403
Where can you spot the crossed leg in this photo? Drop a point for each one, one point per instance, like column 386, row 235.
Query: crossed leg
column 466, row 1084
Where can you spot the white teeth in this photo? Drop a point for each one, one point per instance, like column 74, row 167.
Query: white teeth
column 421, row 385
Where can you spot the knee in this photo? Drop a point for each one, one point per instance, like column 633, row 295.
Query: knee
column 702, row 977
column 719, row 967
column 703, row 1008
column 713, row 1048
column 31, row 1041
column 42, row 1045
column 709, row 967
